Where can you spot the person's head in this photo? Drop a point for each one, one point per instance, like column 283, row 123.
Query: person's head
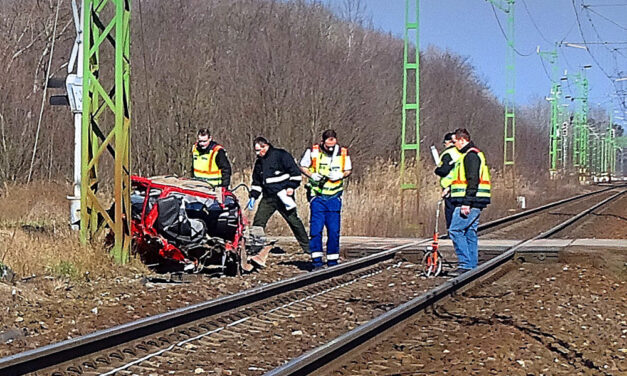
column 462, row 138
column 449, row 139
column 204, row 138
column 329, row 139
column 261, row 146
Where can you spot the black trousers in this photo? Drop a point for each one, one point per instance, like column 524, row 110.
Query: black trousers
column 268, row 206
column 449, row 208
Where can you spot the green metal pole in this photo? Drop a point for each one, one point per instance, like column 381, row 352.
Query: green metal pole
column 555, row 133
column 410, row 106
column 509, row 132
column 585, row 130
column 106, row 122
column 410, row 141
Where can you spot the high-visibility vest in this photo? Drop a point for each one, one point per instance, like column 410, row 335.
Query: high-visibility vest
column 447, row 180
column 459, row 185
column 205, row 166
column 324, row 164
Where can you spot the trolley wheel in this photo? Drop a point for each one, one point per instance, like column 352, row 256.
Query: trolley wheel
column 432, row 263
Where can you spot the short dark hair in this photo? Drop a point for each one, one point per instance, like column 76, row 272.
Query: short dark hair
column 328, row 134
column 449, row 136
column 261, row 141
column 204, row 132
column 462, row 133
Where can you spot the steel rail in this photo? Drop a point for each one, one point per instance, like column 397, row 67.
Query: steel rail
column 311, row 361
column 526, row 213
column 54, row 354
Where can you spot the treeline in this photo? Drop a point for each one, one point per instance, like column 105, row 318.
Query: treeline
column 283, row 69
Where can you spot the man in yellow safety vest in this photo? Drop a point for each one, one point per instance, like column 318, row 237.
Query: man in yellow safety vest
column 446, row 171
column 326, row 165
column 470, row 193
column 211, row 163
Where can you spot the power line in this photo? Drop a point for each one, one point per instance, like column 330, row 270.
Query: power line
column 606, row 5
column 534, row 23
column 587, row 8
column 505, row 35
column 585, row 41
column 590, row 53
column 545, row 70
column 596, row 31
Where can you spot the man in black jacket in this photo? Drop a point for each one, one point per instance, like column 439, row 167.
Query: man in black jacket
column 470, row 193
column 276, row 176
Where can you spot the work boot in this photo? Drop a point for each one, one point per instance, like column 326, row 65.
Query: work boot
column 457, row 272
column 317, row 268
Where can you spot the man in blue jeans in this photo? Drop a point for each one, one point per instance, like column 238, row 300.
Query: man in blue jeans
column 470, row 193
column 326, row 165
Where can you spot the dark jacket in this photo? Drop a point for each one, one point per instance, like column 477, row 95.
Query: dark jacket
column 446, row 166
column 274, row 172
column 221, row 160
column 472, row 166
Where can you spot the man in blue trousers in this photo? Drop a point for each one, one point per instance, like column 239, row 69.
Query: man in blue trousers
column 326, row 165
column 470, row 193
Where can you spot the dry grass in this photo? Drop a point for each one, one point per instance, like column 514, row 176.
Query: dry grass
column 35, row 237
column 372, row 203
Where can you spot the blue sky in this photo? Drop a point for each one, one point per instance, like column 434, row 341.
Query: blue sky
column 470, row 28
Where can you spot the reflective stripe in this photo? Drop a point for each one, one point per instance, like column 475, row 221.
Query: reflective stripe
column 333, row 256
column 460, row 184
column 324, row 164
column 296, row 178
column 255, row 188
column 277, row 179
column 205, row 165
column 316, row 254
column 455, row 155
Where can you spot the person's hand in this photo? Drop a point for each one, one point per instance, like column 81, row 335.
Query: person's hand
column 446, row 191
column 336, row 175
column 251, row 204
column 316, row 177
column 289, row 191
column 465, row 210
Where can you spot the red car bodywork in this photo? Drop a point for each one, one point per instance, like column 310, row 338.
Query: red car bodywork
column 214, row 214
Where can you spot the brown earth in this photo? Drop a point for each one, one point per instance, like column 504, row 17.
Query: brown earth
column 538, row 319
column 45, row 310
column 608, row 222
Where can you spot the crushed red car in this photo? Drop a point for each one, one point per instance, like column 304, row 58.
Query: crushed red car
column 180, row 224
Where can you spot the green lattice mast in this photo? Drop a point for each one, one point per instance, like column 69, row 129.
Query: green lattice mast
column 410, row 121
column 509, row 134
column 555, row 134
column 106, row 121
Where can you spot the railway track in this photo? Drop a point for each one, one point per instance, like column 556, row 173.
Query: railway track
column 333, row 352
column 285, row 310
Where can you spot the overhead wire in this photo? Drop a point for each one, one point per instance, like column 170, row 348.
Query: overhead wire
column 534, row 23
column 583, row 37
column 596, row 31
column 608, row 5
column 587, row 8
column 616, row 89
column 505, row 35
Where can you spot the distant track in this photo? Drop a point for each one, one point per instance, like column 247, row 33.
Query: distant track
column 340, row 348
